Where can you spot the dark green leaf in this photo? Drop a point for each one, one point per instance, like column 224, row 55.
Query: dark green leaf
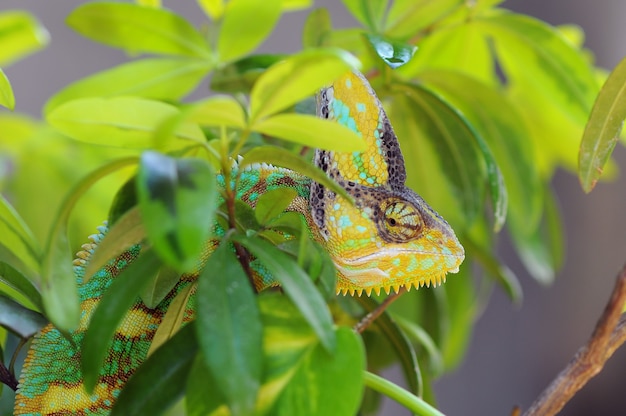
column 407, row 18
column 281, row 157
column 138, row 29
column 17, row 237
column 311, row 131
column 17, row 281
column 273, row 203
column 58, row 286
column 18, row 319
column 393, row 53
column 240, row 76
column 160, row 381
column 400, row 343
column 295, row 78
column 117, row 300
column 203, row 397
column 20, row 35
column 178, row 199
column 128, row 122
column 7, row 99
column 229, row 329
column 297, row 285
column 163, row 282
column 155, row 78
column 603, row 128
column 246, row 23
column 317, row 28
column 327, row 384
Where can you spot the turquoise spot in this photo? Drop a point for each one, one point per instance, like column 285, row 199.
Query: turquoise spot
column 362, row 175
column 396, row 262
column 360, row 107
column 344, row 221
column 336, row 207
column 370, row 181
column 361, row 228
column 349, row 83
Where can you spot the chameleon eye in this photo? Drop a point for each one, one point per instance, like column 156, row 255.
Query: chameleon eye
column 400, row 220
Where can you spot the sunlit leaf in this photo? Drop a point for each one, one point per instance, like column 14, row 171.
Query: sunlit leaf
column 297, row 77
column 155, row 78
column 219, row 110
column 138, row 29
column 229, row 329
column 327, row 384
column 20, row 35
column 119, row 297
column 369, row 13
column 7, row 99
column 246, row 23
column 296, row 285
column 291, row 5
column 212, row 8
column 407, row 17
column 311, row 131
column 18, row 319
column 119, row 121
column 151, row 3
column 160, row 381
column 393, row 53
column 603, row 128
column 317, row 28
column 177, row 198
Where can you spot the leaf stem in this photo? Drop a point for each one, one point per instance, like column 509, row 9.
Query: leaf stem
column 415, row 404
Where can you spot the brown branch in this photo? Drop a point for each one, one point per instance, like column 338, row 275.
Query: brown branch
column 371, row 317
column 608, row 335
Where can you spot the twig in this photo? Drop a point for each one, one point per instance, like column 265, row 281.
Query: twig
column 371, row 317
column 608, row 335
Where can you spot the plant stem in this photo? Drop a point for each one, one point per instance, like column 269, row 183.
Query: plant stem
column 371, row 317
column 400, row 395
column 609, row 334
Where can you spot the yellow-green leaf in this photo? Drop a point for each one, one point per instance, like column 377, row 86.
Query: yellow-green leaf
column 20, row 35
column 220, row 110
column 7, row 99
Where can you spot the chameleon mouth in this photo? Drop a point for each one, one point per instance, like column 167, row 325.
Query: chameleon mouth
column 439, row 258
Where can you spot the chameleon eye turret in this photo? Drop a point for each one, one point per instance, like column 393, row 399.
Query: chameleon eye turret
column 399, row 221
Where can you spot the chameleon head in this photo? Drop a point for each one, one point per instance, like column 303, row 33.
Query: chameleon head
column 389, row 238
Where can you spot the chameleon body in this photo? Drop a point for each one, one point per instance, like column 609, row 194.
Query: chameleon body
column 388, row 239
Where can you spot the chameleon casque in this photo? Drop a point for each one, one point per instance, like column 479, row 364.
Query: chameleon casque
column 388, row 239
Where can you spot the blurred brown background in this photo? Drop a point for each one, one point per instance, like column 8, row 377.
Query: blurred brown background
column 515, row 351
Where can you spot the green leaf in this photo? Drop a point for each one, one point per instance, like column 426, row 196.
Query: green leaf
column 296, row 285
column 138, row 29
column 17, row 237
column 203, row 397
column 603, row 128
column 7, row 99
column 119, row 121
column 370, row 13
column 273, row 203
column 296, row 78
column 419, row 335
column 116, row 301
column 58, row 285
column 407, row 18
column 317, row 28
column 17, row 281
column 291, row 5
column 311, row 131
column 246, row 23
column 393, row 53
column 278, row 156
column 154, row 78
column 18, row 319
column 20, row 35
column 212, row 8
column 454, row 143
column 240, row 76
column 327, row 384
column 161, row 380
column 400, row 343
column 177, row 199
column 173, row 319
column 151, row 3
column 219, row 110
column 127, row 231
column 229, row 329
column 163, row 282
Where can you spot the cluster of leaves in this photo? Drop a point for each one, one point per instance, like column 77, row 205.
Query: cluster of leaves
column 486, row 104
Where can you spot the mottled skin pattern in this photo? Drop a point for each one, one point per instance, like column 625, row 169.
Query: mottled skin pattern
column 390, row 238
